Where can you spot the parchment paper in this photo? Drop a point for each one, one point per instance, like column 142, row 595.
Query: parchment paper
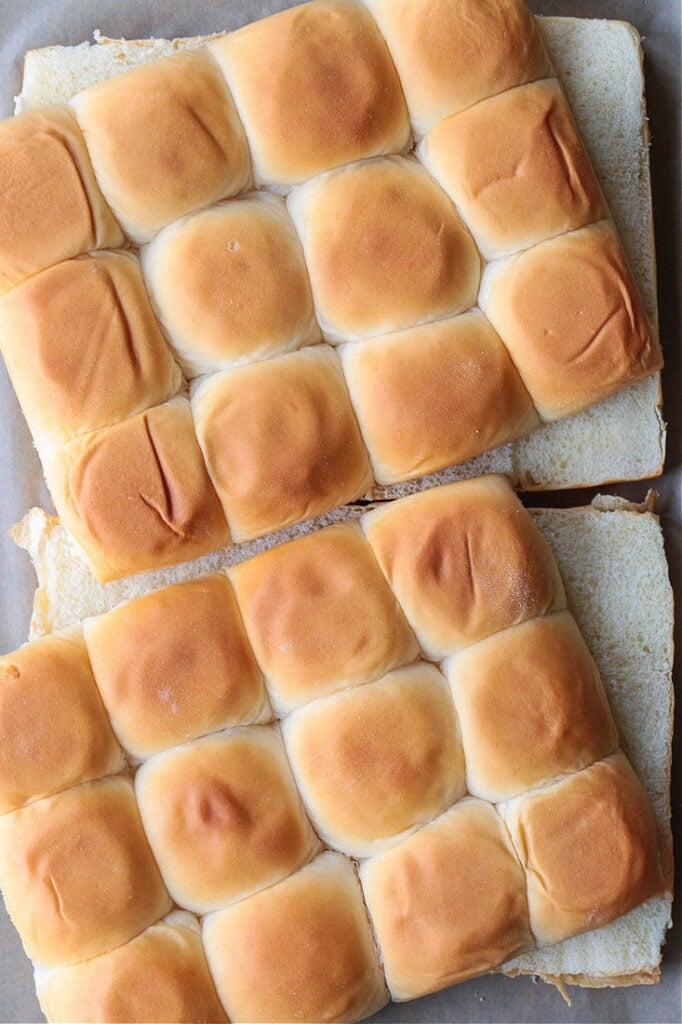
column 29, row 24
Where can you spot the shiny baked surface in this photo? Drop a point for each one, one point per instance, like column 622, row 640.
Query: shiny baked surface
column 414, row 822
column 497, row 207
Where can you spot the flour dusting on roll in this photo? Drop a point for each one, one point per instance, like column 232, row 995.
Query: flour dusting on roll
column 464, row 561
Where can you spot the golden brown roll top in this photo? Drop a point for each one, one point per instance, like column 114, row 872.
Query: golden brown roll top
column 589, row 847
column 385, row 249
column 54, row 731
column 464, row 561
column 452, row 53
column 516, row 168
column 161, row 975
column 280, row 440
column 301, row 950
column 51, row 207
column 174, row 665
column 136, row 495
column 223, row 817
column 83, row 347
column 321, row 616
column 531, row 706
column 77, row 873
column 230, row 284
column 164, row 139
column 331, row 94
column 377, row 760
column 434, row 395
column 448, row 902
column 570, row 314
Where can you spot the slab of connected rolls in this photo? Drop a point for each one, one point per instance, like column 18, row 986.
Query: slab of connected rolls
column 375, row 760
column 402, row 310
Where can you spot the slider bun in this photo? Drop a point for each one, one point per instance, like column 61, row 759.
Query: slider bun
column 161, row 975
column 223, row 817
column 589, row 845
column 280, row 440
column 136, row 495
column 174, row 665
column 516, row 168
column 570, row 314
column 300, row 951
column 77, row 873
column 230, row 284
column 321, row 616
column 83, row 348
column 385, row 249
column 376, row 760
column 331, row 94
column 51, row 207
column 54, row 732
column 531, row 707
column 447, row 903
column 164, row 139
column 452, row 53
column 435, row 395
column 464, row 561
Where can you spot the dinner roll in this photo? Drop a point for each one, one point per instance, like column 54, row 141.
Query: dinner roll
column 452, row 53
column 51, row 207
column 570, row 314
column 164, row 139
column 230, row 284
column 321, row 616
column 464, row 561
column 300, row 951
column 590, row 849
column 434, row 395
column 83, row 348
column 136, row 495
column 280, row 440
column 385, row 249
column 331, row 93
column 175, row 664
column 54, row 732
column 77, row 874
column 448, row 902
column 516, row 168
column 161, row 975
column 223, row 817
column 375, row 761
column 531, row 706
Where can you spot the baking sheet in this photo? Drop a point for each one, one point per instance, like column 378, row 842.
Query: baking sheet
column 30, row 24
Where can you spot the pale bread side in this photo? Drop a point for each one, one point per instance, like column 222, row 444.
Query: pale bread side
column 622, row 438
